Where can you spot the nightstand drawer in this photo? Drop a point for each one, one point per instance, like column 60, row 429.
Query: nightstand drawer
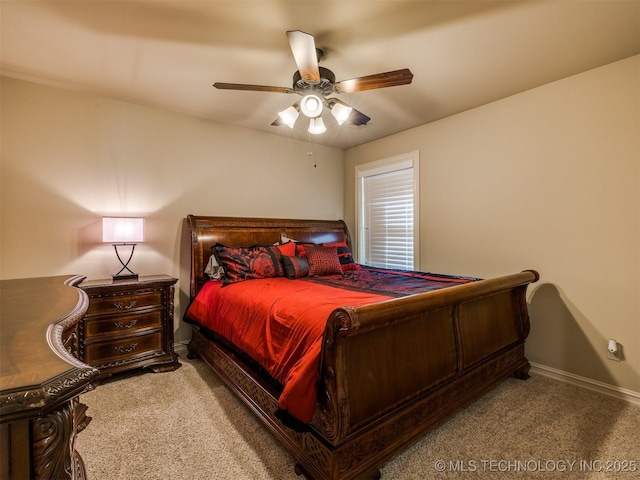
column 126, row 348
column 121, row 325
column 119, row 304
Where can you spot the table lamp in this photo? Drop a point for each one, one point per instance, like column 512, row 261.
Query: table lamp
column 123, row 232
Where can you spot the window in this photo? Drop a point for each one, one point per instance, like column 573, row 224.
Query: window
column 387, row 195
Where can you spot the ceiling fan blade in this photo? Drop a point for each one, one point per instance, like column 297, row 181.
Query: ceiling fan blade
column 253, row 88
column 370, row 82
column 355, row 117
column 278, row 122
column 303, row 47
column 358, row 118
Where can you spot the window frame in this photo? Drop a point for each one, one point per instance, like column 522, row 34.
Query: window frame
column 387, row 165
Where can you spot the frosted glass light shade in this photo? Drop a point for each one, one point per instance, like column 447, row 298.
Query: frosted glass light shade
column 289, row 116
column 311, row 106
column 341, row 112
column 122, row 230
column 316, row 126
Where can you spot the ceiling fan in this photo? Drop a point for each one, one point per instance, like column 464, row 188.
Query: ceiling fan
column 314, row 84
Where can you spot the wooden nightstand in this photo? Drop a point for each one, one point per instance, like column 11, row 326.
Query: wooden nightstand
column 129, row 325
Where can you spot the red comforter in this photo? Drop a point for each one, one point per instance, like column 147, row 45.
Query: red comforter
column 279, row 323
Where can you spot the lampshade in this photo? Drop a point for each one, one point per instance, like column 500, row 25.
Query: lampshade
column 341, row 112
column 122, row 230
column 316, row 126
column 289, row 116
column 311, row 106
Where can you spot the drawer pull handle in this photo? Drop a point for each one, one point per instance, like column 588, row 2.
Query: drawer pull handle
column 129, row 349
column 122, row 306
column 129, row 324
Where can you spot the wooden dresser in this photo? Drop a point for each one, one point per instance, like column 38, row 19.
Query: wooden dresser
column 40, row 380
column 129, row 325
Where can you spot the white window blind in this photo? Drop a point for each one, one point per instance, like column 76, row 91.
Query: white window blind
column 387, row 215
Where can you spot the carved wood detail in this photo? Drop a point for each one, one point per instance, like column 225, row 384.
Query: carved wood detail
column 52, row 445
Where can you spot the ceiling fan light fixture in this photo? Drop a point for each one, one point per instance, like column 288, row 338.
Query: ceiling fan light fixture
column 311, row 105
column 315, row 84
column 289, row 116
column 316, row 126
column 341, row 112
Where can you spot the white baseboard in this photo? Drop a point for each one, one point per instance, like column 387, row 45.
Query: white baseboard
column 584, row 382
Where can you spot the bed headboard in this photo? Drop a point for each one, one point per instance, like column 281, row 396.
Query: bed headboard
column 238, row 231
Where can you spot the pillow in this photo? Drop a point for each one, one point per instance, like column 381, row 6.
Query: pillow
column 295, row 267
column 344, row 255
column 213, row 270
column 302, row 247
column 246, row 263
column 323, row 261
column 287, row 248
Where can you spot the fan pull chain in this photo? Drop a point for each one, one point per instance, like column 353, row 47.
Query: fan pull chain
column 310, row 152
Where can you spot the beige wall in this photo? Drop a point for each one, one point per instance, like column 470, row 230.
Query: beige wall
column 548, row 179
column 70, row 158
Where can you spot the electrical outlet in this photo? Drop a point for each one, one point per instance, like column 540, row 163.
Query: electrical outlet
column 614, row 351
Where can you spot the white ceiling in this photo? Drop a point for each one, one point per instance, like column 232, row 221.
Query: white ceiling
column 167, row 54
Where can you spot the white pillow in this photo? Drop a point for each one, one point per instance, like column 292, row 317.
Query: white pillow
column 215, row 271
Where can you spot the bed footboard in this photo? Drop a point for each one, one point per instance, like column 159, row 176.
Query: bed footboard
column 393, row 371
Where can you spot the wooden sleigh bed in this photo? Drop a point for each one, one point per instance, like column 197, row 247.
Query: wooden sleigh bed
column 428, row 355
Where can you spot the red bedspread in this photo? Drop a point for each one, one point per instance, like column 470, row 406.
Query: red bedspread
column 279, row 323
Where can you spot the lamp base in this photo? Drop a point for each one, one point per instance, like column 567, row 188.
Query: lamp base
column 125, row 278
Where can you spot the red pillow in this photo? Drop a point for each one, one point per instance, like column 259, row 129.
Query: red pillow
column 323, row 261
column 288, row 249
column 301, row 248
column 344, row 255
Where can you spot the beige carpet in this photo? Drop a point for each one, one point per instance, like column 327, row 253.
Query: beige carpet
column 187, row 425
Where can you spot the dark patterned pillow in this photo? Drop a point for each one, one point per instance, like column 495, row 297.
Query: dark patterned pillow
column 246, row 263
column 344, row 255
column 295, row 267
column 323, row 261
